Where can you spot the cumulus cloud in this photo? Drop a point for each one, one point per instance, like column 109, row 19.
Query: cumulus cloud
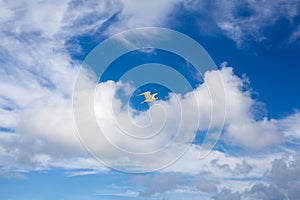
column 240, row 168
column 284, row 175
column 264, row 192
column 282, row 181
column 47, row 121
column 279, row 181
column 115, row 120
column 242, row 128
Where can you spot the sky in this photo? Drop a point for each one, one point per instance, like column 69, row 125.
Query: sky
column 226, row 125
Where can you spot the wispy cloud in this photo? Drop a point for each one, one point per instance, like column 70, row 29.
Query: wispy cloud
column 246, row 21
column 11, row 175
column 82, row 173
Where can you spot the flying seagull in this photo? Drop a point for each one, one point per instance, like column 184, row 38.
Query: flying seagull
column 149, row 97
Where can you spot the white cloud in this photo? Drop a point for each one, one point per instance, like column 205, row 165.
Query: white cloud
column 36, row 83
column 290, row 125
column 47, row 121
column 86, row 18
column 281, row 181
column 7, row 118
column 33, row 16
column 127, row 193
column 254, row 134
column 38, row 75
column 143, row 13
column 241, row 126
column 82, row 173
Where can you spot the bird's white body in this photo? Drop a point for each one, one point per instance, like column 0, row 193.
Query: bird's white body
column 149, row 97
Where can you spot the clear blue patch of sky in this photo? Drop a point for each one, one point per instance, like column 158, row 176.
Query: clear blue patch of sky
column 55, row 184
column 135, row 58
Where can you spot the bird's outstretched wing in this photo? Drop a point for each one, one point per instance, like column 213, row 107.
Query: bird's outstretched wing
column 153, row 95
column 146, row 94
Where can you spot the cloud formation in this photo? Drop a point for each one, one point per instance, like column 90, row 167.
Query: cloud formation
column 38, row 72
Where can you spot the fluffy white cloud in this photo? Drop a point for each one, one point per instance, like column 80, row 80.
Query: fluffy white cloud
column 239, row 106
column 47, row 121
column 241, row 126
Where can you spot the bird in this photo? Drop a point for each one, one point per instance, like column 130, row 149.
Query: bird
column 148, row 96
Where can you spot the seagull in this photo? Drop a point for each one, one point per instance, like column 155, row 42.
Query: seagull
column 149, row 97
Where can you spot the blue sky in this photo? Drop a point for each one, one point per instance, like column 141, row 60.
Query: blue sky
column 255, row 46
